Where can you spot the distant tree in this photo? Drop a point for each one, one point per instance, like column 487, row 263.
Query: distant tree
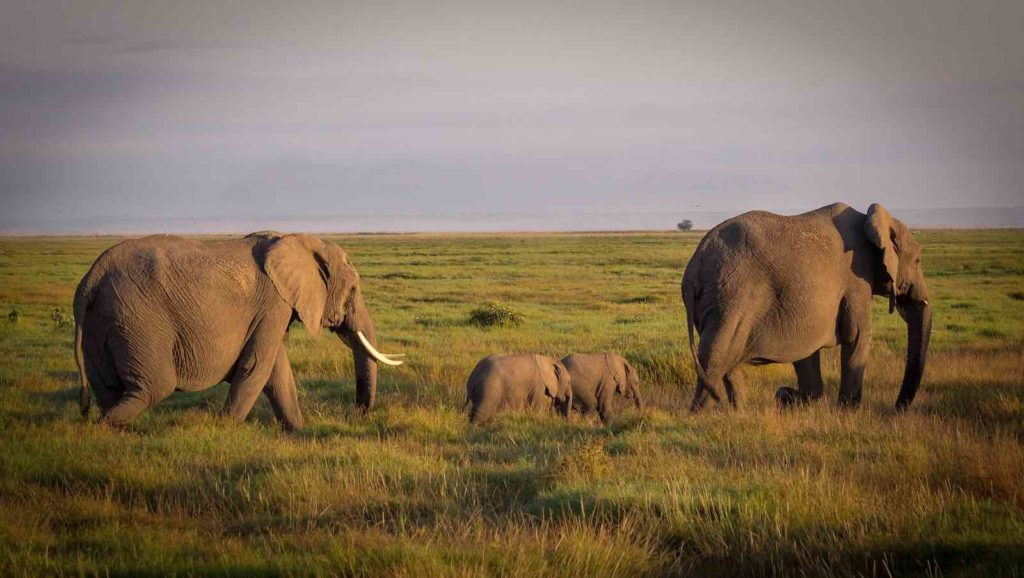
column 685, row 225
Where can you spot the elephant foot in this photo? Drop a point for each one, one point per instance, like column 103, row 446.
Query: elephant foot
column 788, row 397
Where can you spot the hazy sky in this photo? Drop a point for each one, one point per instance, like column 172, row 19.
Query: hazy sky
column 114, row 110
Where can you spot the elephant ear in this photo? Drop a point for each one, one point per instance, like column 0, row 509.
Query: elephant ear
column 878, row 227
column 551, row 389
column 294, row 265
column 615, row 371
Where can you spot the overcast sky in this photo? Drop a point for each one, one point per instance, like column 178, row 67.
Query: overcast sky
column 157, row 111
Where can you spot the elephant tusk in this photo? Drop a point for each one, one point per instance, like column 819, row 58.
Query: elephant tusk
column 385, row 359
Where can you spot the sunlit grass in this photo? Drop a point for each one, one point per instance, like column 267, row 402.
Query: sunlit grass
column 412, row 489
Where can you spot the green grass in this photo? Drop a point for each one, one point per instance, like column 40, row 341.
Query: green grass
column 413, row 490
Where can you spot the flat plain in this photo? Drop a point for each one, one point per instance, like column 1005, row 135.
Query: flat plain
column 412, row 489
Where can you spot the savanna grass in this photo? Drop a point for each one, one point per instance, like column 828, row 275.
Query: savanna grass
column 412, row 489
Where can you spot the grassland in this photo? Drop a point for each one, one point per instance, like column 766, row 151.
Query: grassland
column 413, row 490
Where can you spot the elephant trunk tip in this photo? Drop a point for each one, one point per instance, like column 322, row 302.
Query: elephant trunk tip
column 919, row 324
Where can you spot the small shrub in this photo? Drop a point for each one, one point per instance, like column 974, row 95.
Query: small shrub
column 14, row 316
column 60, row 319
column 1016, row 295
column 684, row 225
column 496, row 315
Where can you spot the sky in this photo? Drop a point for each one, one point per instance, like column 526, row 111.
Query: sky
column 152, row 116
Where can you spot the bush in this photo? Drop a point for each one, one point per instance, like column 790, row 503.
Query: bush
column 684, row 225
column 496, row 315
column 14, row 316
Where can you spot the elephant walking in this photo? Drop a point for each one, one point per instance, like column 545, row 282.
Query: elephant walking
column 164, row 313
column 764, row 288
column 597, row 378
column 517, row 382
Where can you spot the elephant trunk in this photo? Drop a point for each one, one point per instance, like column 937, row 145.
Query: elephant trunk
column 358, row 320
column 638, row 399
column 634, row 387
column 919, row 327
column 566, row 404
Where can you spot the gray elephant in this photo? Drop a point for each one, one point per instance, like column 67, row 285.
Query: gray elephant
column 597, row 378
column 763, row 288
column 164, row 313
column 514, row 382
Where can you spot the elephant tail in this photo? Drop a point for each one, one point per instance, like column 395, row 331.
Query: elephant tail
column 83, row 377
column 83, row 298
column 689, row 303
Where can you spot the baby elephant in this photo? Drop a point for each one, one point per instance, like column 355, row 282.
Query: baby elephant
column 596, row 377
column 516, row 382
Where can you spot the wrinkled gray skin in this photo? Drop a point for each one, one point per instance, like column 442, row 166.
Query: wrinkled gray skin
column 764, row 288
column 163, row 313
column 515, row 382
column 597, row 378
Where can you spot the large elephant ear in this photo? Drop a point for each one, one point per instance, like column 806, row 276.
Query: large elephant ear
column 551, row 389
column 292, row 264
column 878, row 227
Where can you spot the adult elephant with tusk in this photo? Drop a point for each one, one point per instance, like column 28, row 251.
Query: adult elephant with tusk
column 164, row 313
column 764, row 288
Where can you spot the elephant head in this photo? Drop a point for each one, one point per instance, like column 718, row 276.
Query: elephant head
column 900, row 277
column 631, row 388
column 320, row 283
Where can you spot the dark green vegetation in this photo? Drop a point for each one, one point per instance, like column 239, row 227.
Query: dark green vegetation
column 412, row 490
column 496, row 314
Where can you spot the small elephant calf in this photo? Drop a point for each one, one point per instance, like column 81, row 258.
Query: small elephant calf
column 518, row 381
column 597, row 377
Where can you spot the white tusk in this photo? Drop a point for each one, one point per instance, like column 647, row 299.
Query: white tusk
column 385, row 359
column 925, row 301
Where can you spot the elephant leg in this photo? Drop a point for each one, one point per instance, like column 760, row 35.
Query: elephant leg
column 255, row 365
column 132, row 403
column 482, row 412
column 809, row 382
column 251, row 377
column 854, row 362
column 103, row 380
column 709, row 388
column 715, row 355
column 604, row 411
column 282, row 393
column 147, row 374
column 107, row 394
column 734, row 386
